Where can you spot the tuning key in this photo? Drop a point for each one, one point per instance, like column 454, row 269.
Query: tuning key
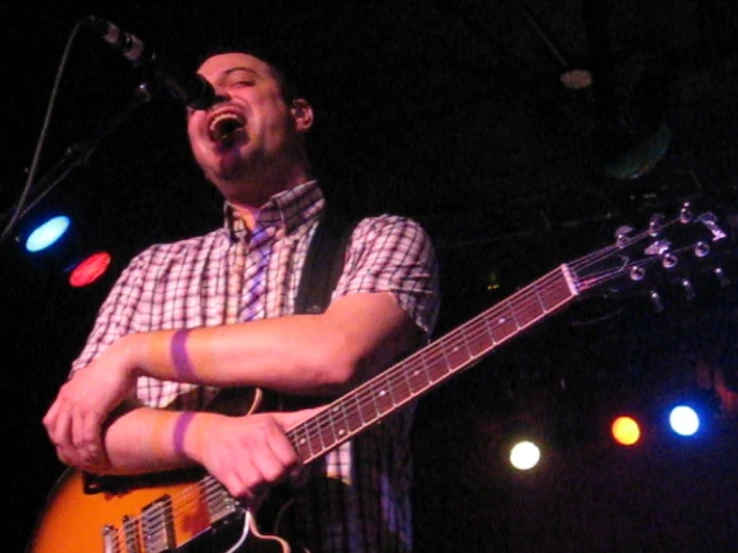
column 686, row 215
column 669, row 260
column 701, row 249
column 710, row 221
column 622, row 235
column 637, row 273
column 656, row 224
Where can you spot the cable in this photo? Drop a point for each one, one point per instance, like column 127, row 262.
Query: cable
column 18, row 211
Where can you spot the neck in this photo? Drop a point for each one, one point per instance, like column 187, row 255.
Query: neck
column 249, row 196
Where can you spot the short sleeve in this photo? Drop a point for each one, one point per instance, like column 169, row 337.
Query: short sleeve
column 394, row 254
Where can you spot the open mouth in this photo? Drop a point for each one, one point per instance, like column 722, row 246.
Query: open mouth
column 226, row 127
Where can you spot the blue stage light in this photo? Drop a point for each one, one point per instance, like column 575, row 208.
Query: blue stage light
column 684, row 420
column 47, row 234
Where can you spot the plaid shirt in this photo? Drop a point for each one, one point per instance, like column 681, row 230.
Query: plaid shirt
column 357, row 497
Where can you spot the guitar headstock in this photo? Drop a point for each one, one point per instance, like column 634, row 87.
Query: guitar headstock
column 667, row 250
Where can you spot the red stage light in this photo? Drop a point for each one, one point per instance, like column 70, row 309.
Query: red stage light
column 90, row 269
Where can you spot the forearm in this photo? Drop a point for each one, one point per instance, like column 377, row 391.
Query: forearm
column 242, row 453
column 282, row 354
column 147, row 440
column 301, row 354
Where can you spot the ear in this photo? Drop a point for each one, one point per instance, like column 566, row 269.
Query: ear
column 302, row 111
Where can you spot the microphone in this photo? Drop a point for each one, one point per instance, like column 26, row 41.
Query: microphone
column 189, row 88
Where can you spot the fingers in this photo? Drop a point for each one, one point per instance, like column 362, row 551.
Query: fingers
column 252, row 456
column 75, row 431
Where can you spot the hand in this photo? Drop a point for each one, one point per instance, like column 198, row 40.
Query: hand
column 74, row 421
column 246, row 454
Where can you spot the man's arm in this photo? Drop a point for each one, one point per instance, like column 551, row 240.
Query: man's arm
column 243, row 453
column 298, row 354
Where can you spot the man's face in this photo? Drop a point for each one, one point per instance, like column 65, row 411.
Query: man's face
column 250, row 131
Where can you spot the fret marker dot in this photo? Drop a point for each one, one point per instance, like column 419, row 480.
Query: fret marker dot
column 382, row 393
column 501, row 320
column 302, row 440
column 341, row 432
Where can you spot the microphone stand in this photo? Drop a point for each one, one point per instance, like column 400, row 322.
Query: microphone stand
column 75, row 156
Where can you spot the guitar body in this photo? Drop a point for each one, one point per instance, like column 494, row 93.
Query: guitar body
column 74, row 521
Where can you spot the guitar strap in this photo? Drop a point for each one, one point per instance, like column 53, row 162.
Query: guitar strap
column 324, row 263
column 320, row 273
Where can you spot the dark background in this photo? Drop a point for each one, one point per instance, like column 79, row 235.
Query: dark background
column 453, row 113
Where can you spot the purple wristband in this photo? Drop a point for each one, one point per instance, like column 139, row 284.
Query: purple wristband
column 181, row 361
column 180, row 428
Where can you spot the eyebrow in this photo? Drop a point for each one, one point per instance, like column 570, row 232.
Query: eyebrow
column 227, row 72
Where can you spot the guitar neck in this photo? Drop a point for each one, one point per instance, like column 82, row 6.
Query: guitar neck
column 391, row 390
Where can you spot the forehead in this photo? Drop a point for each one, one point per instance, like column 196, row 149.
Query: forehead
column 221, row 64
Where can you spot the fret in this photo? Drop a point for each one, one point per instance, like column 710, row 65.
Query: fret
column 435, row 364
column 317, row 432
column 557, row 292
column 402, row 383
column 355, row 420
column 343, row 427
column 417, row 377
column 391, row 388
column 478, row 336
column 328, row 428
column 503, row 324
column 456, row 352
column 526, row 308
column 368, row 408
column 382, row 396
column 302, row 443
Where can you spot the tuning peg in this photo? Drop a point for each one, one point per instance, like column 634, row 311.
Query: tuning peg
column 688, row 289
column 686, row 215
column 656, row 224
column 622, row 235
column 637, row 273
column 709, row 219
column 669, row 260
column 655, row 297
column 701, row 249
column 721, row 276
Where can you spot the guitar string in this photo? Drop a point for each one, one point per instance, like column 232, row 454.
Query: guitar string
column 528, row 297
column 465, row 335
column 207, row 488
column 205, row 491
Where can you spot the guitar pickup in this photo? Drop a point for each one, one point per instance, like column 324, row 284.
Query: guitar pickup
column 156, row 526
column 220, row 503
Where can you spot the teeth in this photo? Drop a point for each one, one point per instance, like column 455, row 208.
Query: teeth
column 224, row 124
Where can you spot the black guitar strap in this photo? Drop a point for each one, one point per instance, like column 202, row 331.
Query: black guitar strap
column 324, row 263
column 320, row 273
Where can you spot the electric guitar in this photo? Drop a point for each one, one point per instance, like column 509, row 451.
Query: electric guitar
column 189, row 514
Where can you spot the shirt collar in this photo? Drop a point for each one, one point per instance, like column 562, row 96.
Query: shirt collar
column 286, row 211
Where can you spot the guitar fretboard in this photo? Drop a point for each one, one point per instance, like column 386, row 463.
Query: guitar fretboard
column 427, row 368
